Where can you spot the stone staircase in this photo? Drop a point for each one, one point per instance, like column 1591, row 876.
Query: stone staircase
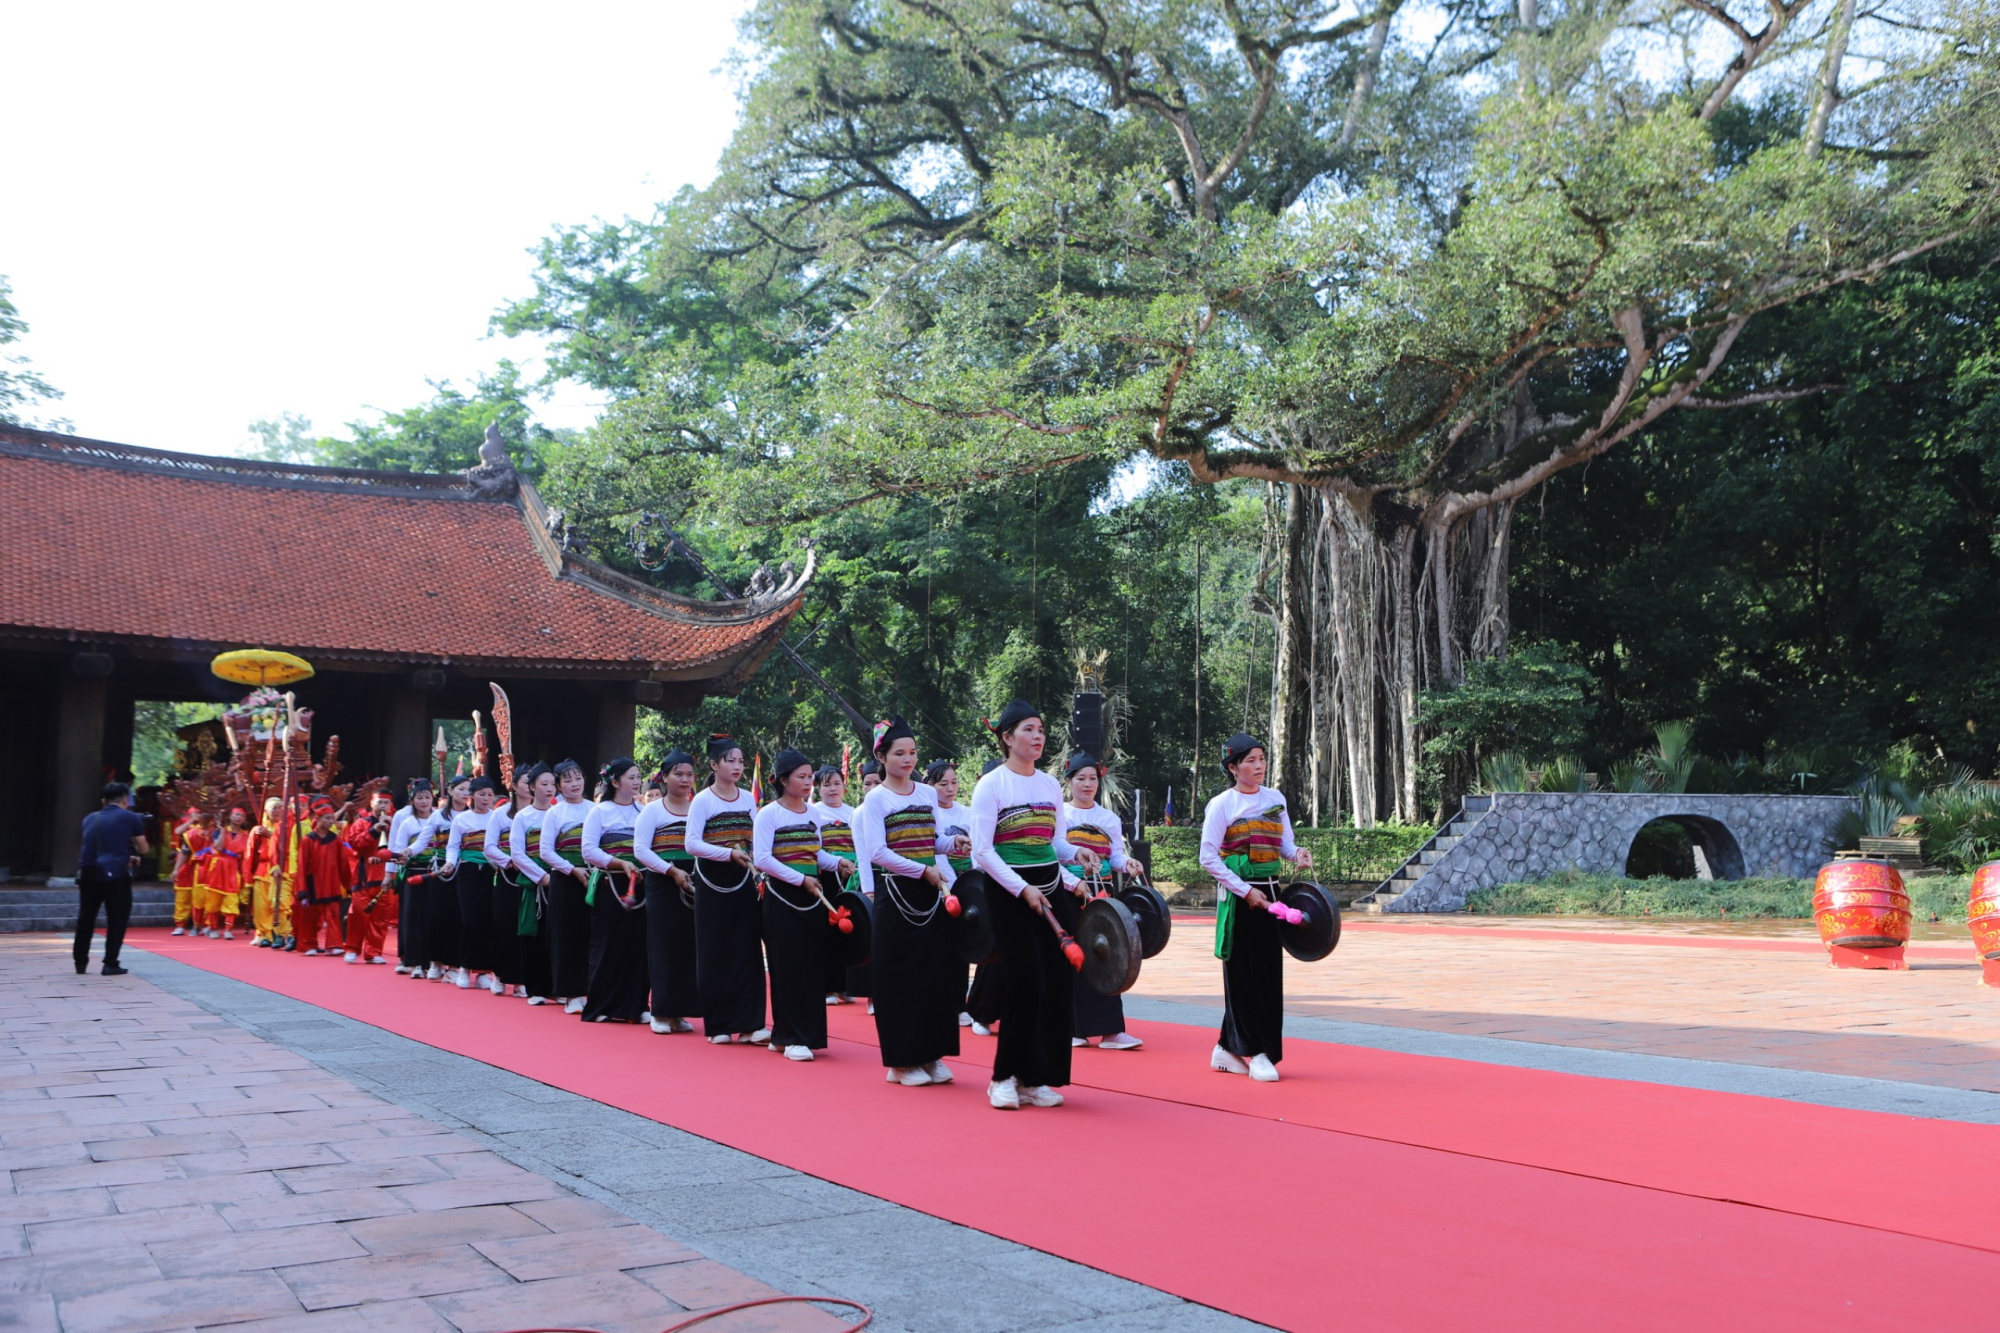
column 1454, row 831
column 26, row 907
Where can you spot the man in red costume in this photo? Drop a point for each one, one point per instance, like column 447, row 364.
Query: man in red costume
column 326, row 873
column 372, row 910
column 222, row 880
column 190, row 841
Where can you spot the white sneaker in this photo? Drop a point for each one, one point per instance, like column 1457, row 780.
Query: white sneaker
column 461, row 980
column 964, row 1019
column 913, row 1078
column 981, row 1030
column 575, row 1006
column 180, row 930
column 719, row 1039
column 351, row 958
column 939, row 1071
column 534, row 1000
column 871, row 1008
column 1224, row 1062
column 1124, row 1041
column 378, row 960
column 760, row 1036
column 798, row 1053
column 1040, row 1097
column 1078, row 1041
column 434, row 973
column 889, row 1075
column 1262, row 1069
column 834, row 999
column 492, row 982
column 213, row 933
column 310, row 953
column 402, row 969
column 1004, row 1095
column 228, row 934
column 680, row 1025
column 664, row 1029
column 646, row 1016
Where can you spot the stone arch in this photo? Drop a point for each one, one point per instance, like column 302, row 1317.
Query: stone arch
column 1718, row 846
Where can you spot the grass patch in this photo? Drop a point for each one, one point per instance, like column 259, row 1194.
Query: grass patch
column 1575, row 893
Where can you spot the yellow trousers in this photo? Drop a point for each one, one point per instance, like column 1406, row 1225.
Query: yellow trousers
column 263, row 897
column 185, row 898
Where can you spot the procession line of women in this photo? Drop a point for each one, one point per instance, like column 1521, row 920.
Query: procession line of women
column 659, row 903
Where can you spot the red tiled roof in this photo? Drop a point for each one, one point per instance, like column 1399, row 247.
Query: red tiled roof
column 115, row 543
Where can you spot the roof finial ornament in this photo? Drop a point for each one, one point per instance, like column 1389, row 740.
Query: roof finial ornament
column 494, row 475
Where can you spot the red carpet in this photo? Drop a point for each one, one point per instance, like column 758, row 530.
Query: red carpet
column 1367, row 1190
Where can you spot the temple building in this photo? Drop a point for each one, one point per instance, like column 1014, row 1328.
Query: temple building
column 128, row 569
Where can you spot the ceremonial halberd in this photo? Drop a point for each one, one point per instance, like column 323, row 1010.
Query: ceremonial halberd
column 126, row 570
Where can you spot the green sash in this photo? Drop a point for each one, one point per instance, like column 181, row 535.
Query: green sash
column 1226, row 902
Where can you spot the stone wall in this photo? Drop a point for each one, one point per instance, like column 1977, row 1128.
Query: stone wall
column 1529, row 835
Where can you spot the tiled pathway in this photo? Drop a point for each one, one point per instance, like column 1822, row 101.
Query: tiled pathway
column 170, row 1171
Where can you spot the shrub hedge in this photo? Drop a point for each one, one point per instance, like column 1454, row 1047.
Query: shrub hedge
column 1574, row 893
column 1340, row 855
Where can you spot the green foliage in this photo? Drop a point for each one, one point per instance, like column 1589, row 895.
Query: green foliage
column 1340, row 855
column 155, row 744
column 1961, row 824
column 442, row 435
column 1531, row 697
column 1503, row 770
column 20, row 387
column 1575, row 893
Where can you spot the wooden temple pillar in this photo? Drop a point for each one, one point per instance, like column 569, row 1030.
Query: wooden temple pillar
column 79, row 757
column 617, row 723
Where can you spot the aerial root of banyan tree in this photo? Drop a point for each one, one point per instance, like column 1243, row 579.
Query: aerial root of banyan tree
column 1377, row 602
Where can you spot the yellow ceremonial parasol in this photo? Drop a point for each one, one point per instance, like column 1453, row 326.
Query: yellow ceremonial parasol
column 260, row 666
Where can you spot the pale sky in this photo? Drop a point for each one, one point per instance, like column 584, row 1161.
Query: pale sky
column 213, row 213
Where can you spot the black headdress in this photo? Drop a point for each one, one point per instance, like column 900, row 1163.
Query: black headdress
column 1080, row 760
column 1012, row 716
column 937, row 769
column 480, row 783
column 787, row 763
column 719, row 747
column 1236, row 748
column 615, row 770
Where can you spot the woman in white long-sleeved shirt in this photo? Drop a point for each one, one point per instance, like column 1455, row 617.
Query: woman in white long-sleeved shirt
column 416, row 840
column 470, row 870
column 559, row 847
column 727, row 917
column 617, row 991
column 1245, row 835
column 785, row 849
column 1088, row 824
column 534, row 794
column 659, row 840
column 919, row 982
column 1017, row 840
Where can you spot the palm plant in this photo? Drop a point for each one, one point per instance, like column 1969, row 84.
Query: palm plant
column 1503, row 770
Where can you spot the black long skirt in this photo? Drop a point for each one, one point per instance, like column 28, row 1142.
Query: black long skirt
column 401, row 888
column 617, row 988
column 795, row 943
column 475, row 916
column 1253, row 987
column 919, row 982
column 836, row 971
column 442, row 936
column 504, row 924
column 729, row 963
column 413, row 920
column 537, row 973
column 670, row 952
column 1093, row 1013
column 566, row 923
column 988, row 996
column 1035, row 1014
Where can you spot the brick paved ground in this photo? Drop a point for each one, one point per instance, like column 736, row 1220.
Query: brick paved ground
column 1933, row 1024
column 167, row 1170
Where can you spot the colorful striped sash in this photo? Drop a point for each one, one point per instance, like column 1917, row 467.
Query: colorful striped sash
column 1024, row 835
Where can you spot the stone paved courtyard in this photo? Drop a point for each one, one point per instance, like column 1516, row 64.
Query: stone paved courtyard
column 1710, row 994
